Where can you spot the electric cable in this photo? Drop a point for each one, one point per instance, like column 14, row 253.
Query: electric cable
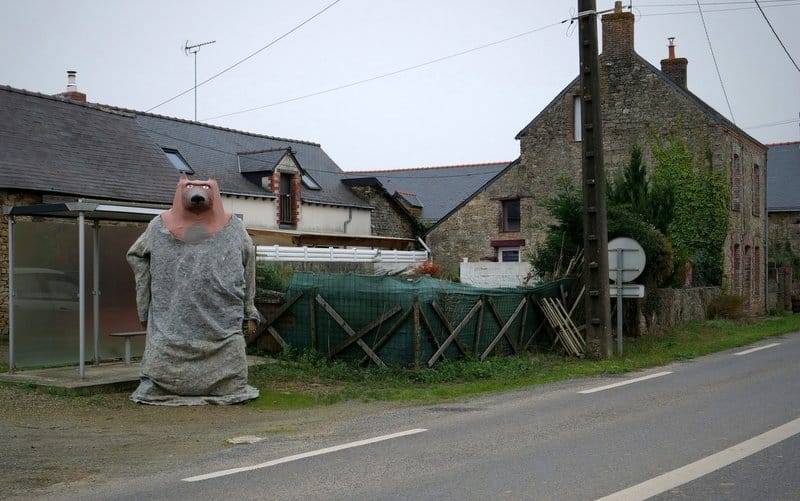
column 389, row 74
column 776, row 36
column 237, row 63
column 714, row 57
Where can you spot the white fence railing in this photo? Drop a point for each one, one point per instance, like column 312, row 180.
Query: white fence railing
column 336, row 255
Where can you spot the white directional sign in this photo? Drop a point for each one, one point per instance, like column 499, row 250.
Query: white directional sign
column 628, row 290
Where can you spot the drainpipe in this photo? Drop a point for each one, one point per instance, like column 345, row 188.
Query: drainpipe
column 427, row 249
column 11, row 295
column 349, row 219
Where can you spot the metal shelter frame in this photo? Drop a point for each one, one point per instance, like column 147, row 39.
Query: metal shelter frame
column 82, row 211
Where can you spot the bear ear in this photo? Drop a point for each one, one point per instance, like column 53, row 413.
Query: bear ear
column 183, row 177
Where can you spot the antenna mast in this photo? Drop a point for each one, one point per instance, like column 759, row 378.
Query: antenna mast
column 194, row 49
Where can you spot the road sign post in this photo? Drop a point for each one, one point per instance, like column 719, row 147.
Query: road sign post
column 629, row 260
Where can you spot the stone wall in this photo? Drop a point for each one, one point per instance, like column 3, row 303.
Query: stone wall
column 662, row 309
column 639, row 107
column 388, row 219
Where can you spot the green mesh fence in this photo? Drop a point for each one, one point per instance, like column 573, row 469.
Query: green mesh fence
column 381, row 312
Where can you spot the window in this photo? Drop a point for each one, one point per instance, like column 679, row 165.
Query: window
column 177, row 161
column 736, row 184
column 511, row 215
column 577, row 126
column 286, row 205
column 747, row 282
column 757, row 272
column 756, row 190
column 508, row 254
column 737, row 272
column 309, row 182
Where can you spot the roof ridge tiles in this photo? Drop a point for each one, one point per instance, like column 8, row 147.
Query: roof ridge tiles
column 784, row 143
column 483, row 164
column 128, row 112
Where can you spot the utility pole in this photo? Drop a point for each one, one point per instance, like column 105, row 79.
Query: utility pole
column 194, row 49
column 595, row 228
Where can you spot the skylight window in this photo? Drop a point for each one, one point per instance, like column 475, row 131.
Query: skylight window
column 177, row 161
column 309, row 182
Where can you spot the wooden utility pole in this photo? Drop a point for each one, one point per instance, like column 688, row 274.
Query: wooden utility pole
column 595, row 231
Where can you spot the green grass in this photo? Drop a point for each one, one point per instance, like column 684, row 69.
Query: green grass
column 305, row 380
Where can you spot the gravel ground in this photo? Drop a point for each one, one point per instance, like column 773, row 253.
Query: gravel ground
column 50, row 441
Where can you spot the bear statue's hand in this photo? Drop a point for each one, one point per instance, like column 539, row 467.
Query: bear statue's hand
column 251, row 326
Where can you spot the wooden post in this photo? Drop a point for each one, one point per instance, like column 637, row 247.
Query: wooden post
column 595, row 231
column 416, row 332
column 313, row 312
column 476, row 340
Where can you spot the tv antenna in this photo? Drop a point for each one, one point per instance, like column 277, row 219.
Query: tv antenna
column 194, row 49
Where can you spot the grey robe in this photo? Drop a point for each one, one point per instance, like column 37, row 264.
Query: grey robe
column 194, row 297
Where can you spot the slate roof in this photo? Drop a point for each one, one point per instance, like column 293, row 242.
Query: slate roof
column 783, row 177
column 212, row 151
column 715, row 116
column 261, row 161
column 438, row 190
column 54, row 145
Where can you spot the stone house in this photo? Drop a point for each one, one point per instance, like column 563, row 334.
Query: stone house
column 642, row 105
column 428, row 193
column 56, row 149
column 783, row 209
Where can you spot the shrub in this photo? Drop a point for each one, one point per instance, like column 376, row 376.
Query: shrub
column 273, row 276
column 427, row 268
column 727, row 306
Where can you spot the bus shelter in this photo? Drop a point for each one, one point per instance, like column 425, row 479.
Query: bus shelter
column 56, row 266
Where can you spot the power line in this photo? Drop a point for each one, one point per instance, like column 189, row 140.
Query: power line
column 712, row 3
column 773, row 124
column 776, row 36
column 714, row 57
column 389, row 74
column 788, row 3
column 237, row 63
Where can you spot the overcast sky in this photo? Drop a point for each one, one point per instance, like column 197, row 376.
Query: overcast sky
column 459, row 110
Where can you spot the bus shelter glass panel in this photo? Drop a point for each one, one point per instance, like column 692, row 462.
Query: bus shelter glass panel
column 46, row 303
column 117, row 292
column 46, row 294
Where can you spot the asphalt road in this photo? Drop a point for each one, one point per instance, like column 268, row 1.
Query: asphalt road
column 553, row 442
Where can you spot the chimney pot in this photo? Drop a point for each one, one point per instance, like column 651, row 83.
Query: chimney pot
column 72, row 86
column 674, row 67
column 72, row 89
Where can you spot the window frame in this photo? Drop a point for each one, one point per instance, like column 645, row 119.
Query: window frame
column 505, row 225
column 501, row 250
column 176, row 159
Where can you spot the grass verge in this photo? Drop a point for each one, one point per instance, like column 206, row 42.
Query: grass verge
column 307, row 379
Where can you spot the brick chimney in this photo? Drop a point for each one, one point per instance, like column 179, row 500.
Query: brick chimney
column 72, row 89
column 675, row 67
column 617, row 33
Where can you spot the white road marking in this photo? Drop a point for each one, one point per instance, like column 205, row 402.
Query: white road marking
column 707, row 465
column 751, row 350
column 304, row 455
column 626, row 382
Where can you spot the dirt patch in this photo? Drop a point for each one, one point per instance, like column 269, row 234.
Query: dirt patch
column 49, row 440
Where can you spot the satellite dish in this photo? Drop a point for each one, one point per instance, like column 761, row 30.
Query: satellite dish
column 626, row 254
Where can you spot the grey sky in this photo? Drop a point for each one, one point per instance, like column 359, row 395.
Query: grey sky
column 465, row 109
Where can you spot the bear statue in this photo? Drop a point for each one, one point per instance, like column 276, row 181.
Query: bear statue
column 195, row 286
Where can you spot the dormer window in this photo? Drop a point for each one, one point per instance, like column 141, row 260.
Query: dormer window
column 309, row 182
column 177, row 161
